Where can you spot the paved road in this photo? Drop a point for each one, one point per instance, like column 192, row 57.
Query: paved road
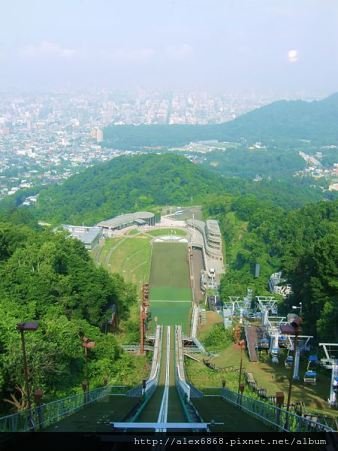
column 196, row 267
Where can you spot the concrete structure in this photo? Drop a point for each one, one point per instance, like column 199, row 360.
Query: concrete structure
column 211, row 236
column 207, row 236
column 278, row 285
column 89, row 236
column 120, row 222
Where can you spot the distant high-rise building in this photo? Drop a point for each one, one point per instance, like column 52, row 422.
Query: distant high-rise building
column 99, row 135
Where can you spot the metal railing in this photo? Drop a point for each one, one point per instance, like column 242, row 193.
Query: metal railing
column 183, row 388
column 152, row 381
column 136, row 348
column 278, row 418
column 179, row 360
column 45, row 415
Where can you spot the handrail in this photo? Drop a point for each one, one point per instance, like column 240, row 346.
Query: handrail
column 194, row 325
column 273, row 415
column 180, row 363
column 44, row 415
column 183, row 388
column 152, row 381
column 155, row 366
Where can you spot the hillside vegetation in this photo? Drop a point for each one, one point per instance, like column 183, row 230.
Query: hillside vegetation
column 126, row 184
column 300, row 242
column 282, row 121
column 52, row 279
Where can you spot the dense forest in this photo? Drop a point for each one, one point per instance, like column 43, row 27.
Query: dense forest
column 300, row 242
column 282, row 122
column 50, row 278
column 126, row 184
column 250, row 163
column 145, row 182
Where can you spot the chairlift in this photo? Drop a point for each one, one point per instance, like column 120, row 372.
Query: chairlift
column 288, row 361
column 310, row 377
column 274, row 351
column 264, row 343
column 274, row 354
column 335, row 385
column 312, row 362
column 282, row 341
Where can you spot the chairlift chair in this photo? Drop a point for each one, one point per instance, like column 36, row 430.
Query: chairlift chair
column 288, row 361
column 335, row 385
column 310, row 377
column 274, row 354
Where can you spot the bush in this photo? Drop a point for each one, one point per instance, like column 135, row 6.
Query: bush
column 218, row 337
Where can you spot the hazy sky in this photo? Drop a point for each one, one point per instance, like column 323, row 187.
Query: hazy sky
column 213, row 45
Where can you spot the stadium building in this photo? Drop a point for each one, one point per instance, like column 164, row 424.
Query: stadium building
column 89, row 236
column 120, row 222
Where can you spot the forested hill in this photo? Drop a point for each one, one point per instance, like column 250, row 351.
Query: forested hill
column 126, row 184
column 49, row 278
column 302, row 243
column 281, row 121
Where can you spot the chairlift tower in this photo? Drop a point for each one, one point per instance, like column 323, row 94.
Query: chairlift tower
column 268, row 303
column 236, row 306
column 332, row 360
column 274, row 346
column 303, row 341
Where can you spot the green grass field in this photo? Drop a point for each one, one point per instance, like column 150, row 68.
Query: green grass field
column 164, row 265
column 163, row 232
column 129, row 256
column 272, row 377
column 170, row 292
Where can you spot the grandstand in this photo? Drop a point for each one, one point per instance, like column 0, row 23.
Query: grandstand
column 120, row 222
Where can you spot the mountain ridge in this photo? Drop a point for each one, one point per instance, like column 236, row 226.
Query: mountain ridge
column 283, row 120
column 125, row 184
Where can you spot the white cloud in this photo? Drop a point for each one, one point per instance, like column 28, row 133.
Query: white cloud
column 47, row 49
column 179, row 52
column 293, row 56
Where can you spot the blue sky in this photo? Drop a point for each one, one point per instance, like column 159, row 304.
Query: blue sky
column 212, row 45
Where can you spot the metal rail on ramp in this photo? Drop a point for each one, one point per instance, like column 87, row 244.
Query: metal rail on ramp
column 161, row 426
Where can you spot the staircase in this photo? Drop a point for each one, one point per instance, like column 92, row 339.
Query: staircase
column 203, row 316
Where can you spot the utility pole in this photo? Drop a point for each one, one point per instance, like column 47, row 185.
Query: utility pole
column 143, row 315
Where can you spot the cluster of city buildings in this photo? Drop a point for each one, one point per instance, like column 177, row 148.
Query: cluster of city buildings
column 46, row 138
column 314, row 167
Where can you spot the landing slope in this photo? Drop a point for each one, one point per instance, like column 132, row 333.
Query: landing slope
column 170, row 291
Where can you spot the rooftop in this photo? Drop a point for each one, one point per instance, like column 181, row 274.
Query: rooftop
column 126, row 219
column 85, row 234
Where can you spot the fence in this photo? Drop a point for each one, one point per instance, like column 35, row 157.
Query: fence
column 278, row 418
column 179, row 361
column 45, row 415
column 183, row 388
column 152, row 382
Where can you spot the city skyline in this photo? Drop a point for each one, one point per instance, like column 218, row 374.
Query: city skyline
column 284, row 48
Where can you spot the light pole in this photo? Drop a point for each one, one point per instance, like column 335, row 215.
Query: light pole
column 22, row 328
column 240, row 385
column 87, row 344
column 299, row 307
column 293, row 328
column 143, row 315
column 38, row 394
